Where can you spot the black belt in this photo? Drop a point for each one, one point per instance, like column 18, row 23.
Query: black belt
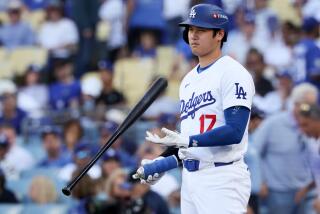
column 193, row 165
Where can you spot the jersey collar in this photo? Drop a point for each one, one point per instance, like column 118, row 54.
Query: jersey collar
column 199, row 69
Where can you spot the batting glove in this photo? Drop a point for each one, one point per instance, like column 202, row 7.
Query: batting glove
column 151, row 179
column 171, row 139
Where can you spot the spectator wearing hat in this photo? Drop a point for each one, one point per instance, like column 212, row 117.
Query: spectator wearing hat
column 109, row 95
column 110, row 162
column 33, row 96
column 6, row 195
column 55, row 157
column 10, row 113
column 107, row 129
column 307, row 54
column 16, row 33
column 83, row 152
column 16, row 158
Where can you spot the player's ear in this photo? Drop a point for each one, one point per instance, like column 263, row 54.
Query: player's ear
column 220, row 34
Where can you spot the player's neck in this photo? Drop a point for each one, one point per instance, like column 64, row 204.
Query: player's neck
column 209, row 58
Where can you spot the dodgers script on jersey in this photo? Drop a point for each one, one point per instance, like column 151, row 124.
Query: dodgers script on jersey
column 204, row 95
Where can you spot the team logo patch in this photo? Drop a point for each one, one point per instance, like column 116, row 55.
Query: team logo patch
column 196, row 102
column 240, row 93
column 192, row 13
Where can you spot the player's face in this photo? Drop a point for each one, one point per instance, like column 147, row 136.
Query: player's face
column 202, row 41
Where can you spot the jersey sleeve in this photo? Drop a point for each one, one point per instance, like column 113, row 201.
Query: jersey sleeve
column 237, row 88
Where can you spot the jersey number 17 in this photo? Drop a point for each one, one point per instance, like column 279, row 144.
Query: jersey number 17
column 204, row 119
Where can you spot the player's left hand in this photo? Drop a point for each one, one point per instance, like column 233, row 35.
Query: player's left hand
column 171, row 139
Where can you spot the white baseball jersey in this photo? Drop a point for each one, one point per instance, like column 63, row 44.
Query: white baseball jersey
column 204, row 96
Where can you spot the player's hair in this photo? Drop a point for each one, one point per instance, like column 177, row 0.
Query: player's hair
column 300, row 92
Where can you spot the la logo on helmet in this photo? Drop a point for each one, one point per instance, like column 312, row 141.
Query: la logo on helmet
column 192, row 13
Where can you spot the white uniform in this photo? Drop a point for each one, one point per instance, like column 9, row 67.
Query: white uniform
column 204, row 96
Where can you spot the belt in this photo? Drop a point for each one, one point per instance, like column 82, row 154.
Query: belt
column 193, row 165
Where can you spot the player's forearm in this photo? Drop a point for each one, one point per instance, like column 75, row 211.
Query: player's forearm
column 236, row 122
column 171, row 150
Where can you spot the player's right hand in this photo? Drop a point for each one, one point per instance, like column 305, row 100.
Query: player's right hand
column 151, row 179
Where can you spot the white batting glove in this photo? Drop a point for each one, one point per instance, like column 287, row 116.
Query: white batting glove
column 171, row 139
column 151, row 179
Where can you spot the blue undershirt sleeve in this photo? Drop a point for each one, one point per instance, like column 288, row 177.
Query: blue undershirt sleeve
column 236, row 118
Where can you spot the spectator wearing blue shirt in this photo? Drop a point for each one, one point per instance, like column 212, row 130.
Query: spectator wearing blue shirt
column 285, row 169
column 53, row 146
column 307, row 54
column 16, row 33
column 144, row 15
column 65, row 92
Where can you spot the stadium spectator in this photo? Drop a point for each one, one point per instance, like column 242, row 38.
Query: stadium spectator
column 109, row 95
column 285, row 170
column 10, row 113
column 16, row 33
column 16, row 159
column 110, row 162
column 252, row 159
column 144, row 15
column 309, row 123
column 277, row 100
column 6, row 195
column 83, row 195
column 58, row 34
column 85, row 15
column 106, row 131
column 82, row 155
column 33, row 5
column 114, row 13
column 65, row 92
column 147, row 46
column 33, row 96
column 256, row 65
column 307, row 54
column 42, row 190
column 72, row 135
column 55, row 157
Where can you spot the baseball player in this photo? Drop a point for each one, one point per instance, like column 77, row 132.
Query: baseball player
column 215, row 102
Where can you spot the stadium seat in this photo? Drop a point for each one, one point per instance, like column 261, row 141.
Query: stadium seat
column 35, row 18
column 19, row 187
column 22, row 57
column 132, row 77
column 165, row 60
column 6, row 69
column 49, row 172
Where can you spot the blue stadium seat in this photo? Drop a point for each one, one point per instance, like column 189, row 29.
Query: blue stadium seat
column 49, row 172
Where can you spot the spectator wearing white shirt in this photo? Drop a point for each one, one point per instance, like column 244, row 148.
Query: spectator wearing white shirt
column 58, row 34
column 17, row 159
column 113, row 12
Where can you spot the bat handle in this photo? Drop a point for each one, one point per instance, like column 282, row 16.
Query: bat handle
column 66, row 190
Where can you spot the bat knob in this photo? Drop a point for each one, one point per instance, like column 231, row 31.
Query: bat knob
column 66, row 191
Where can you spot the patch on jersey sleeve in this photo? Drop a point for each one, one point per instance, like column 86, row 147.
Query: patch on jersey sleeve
column 240, row 92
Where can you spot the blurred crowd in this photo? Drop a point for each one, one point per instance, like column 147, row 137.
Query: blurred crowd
column 55, row 116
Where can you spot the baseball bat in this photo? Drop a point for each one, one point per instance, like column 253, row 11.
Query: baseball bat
column 153, row 92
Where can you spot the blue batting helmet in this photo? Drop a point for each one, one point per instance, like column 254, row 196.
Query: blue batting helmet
column 206, row 16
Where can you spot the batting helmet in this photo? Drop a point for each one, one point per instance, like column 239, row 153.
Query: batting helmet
column 206, row 16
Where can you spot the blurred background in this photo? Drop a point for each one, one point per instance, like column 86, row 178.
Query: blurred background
column 71, row 70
